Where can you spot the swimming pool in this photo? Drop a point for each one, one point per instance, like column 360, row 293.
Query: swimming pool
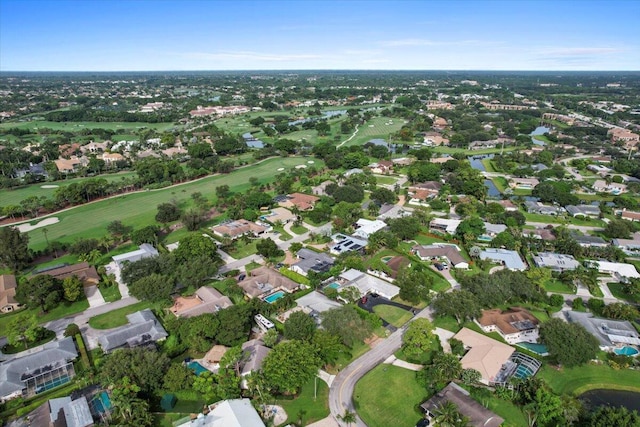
column 386, row 259
column 101, row 403
column 485, row 238
column 626, row 351
column 274, row 297
column 53, row 384
column 197, row 368
column 334, row 285
column 540, row 349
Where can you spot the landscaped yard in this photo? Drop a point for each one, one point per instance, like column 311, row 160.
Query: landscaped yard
column 394, row 315
column 64, row 309
column 299, row 229
column 305, row 406
column 512, row 415
column 580, row 379
column 117, row 317
column 389, row 396
column 554, row 285
column 447, row 322
column 139, row 209
column 110, row 293
column 618, row 291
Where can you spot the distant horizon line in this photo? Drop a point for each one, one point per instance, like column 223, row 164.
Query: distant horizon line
column 273, row 70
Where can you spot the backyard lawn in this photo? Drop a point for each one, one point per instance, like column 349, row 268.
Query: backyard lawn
column 139, row 209
column 389, row 396
column 618, row 291
column 578, row 380
column 394, row 315
column 554, row 285
column 305, row 406
column 512, row 415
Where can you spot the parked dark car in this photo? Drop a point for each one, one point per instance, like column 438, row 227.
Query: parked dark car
column 439, row 266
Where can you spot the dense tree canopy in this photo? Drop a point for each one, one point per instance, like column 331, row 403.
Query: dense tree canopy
column 14, row 249
column 345, row 323
column 290, row 365
column 569, row 343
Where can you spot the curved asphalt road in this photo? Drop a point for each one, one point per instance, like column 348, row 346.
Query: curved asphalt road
column 341, row 391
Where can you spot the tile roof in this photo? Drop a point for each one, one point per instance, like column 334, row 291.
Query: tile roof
column 7, row 290
column 485, row 354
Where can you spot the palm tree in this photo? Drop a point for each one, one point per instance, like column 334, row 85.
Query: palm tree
column 348, row 417
column 448, row 415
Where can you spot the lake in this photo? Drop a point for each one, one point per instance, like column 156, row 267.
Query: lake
column 628, row 399
column 476, row 161
column 493, row 191
column 540, row 130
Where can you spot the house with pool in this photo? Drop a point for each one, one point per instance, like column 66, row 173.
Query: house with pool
column 618, row 336
column 514, row 325
column 441, row 251
column 267, row 284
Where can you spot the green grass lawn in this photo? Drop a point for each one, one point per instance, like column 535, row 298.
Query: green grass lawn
column 376, row 128
column 299, row 229
column 578, row 380
column 110, row 293
column 15, row 196
column 389, row 396
column 358, row 350
column 447, row 322
column 555, row 285
column 618, row 291
column 500, row 183
column 241, row 249
column 117, row 317
column 305, row 405
column 64, row 309
column 511, row 413
column 385, row 180
column 139, row 209
column 488, row 165
column 451, row 150
column 394, row 315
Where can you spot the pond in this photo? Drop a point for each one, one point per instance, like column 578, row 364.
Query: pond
column 540, row 130
column 493, row 191
column 628, row 399
column 476, row 161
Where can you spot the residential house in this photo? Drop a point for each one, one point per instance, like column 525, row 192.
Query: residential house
column 389, row 211
column 583, row 210
column 69, row 150
column 30, row 374
column 514, row 325
column 214, row 356
column 366, row 227
column 65, row 412
column 403, row 161
column 367, row 284
column 397, row 264
column 482, row 145
column 630, row 216
column 309, row 260
column 87, row 273
column 539, row 233
column 240, row 227
column 321, row 189
column 523, row 183
column 142, row 328
column 620, row 271
column 625, row 136
column 601, row 186
column 227, row 413
column 145, row 251
column 434, row 139
column 441, row 251
column 484, row 354
column 589, row 241
column 508, row 205
column 264, row 280
column 279, row 216
column 303, row 202
column 8, row 301
column 440, row 123
column 70, row 165
column 492, row 230
column 205, row 300
column 315, row 303
column 344, row 243
column 611, row 334
column 510, row 259
column 111, row 158
column 444, row 225
column 477, row 415
column 556, row 262
column 629, row 246
column 254, row 352
column 382, row 167
column 599, row 169
column 95, row 147
column 428, row 188
column 539, row 208
column 354, row 171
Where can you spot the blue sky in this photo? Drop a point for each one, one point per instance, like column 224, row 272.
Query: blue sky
column 95, row 35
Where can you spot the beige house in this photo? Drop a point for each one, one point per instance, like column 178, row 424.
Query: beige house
column 280, row 216
column 484, row 354
column 303, row 202
column 514, row 325
column 238, row 228
column 8, row 301
column 264, row 281
column 205, row 300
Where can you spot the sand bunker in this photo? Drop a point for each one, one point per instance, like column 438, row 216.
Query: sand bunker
column 311, row 162
column 280, row 169
column 28, row 227
column 301, row 167
column 49, row 186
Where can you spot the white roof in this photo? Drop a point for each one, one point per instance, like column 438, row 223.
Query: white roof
column 450, row 224
column 228, row 413
column 622, row 269
column 369, row 284
column 368, row 227
column 145, row 251
column 494, row 228
column 510, row 259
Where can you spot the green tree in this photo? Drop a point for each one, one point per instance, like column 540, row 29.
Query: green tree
column 383, row 196
column 418, row 338
column 23, row 330
column 445, row 367
column 129, row 409
column 41, row 291
column 299, row 326
column 620, row 310
column 148, row 234
column 618, row 229
column 404, row 228
column 447, row 415
column 196, row 246
column 178, row 377
column 72, row 287
column 14, row 249
column 462, row 305
column 345, row 323
column 143, row 366
column 414, row 285
column 348, row 417
column 470, row 229
column 569, row 343
column 155, row 287
column 268, row 248
column 609, row 416
column 290, row 365
column 118, row 229
column 328, row 347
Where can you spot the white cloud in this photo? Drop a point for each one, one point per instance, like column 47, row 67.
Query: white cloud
column 579, row 51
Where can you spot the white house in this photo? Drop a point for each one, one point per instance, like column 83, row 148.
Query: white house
column 444, row 225
column 514, row 325
column 618, row 270
column 367, row 227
